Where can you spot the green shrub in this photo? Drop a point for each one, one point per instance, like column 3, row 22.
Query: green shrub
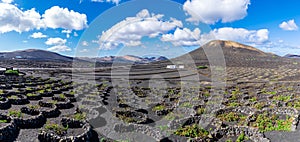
column 62, row 96
column 31, row 95
column 79, row 116
column 15, row 113
column 3, row 121
column 11, row 72
column 200, row 110
column 58, row 129
column 13, row 97
column 202, row 67
column 264, row 123
column 193, row 131
column 33, row 106
column 2, row 99
column 232, row 116
column 241, row 137
column 159, row 108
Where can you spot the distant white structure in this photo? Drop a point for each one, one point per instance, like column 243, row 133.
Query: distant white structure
column 175, row 67
column 181, row 66
column 171, row 66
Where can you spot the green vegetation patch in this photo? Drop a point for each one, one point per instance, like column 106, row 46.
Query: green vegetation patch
column 33, row 106
column 232, row 117
column 11, row 72
column 283, row 98
column 159, row 108
column 31, row 95
column 13, row 97
column 192, row 131
column 265, row 122
column 202, row 67
column 294, row 104
column 15, row 113
column 2, row 99
column 3, row 121
column 79, row 116
column 58, row 129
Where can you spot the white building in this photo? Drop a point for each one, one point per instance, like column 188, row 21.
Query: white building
column 175, row 67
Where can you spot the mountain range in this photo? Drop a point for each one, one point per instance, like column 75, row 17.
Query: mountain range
column 232, row 52
column 291, row 56
column 42, row 55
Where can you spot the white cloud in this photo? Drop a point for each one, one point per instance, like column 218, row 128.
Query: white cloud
column 58, row 45
column 84, row 43
column 55, row 41
column 186, row 37
column 67, row 32
column 57, row 17
column 212, row 11
column 289, row 25
column 75, row 34
column 130, row 31
column 38, row 35
column 113, row 1
column 7, row 1
column 59, row 48
column 183, row 37
column 14, row 19
column 242, row 35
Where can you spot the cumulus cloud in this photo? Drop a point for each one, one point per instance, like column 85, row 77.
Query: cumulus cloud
column 238, row 34
column 212, row 11
column 58, row 44
column 38, row 35
column 7, row 1
column 55, row 41
column 244, row 35
column 112, row 1
column 67, row 32
column 183, row 37
column 289, row 25
column 84, row 43
column 75, row 34
column 130, row 31
column 57, row 17
column 187, row 37
column 59, row 48
column 14, row 19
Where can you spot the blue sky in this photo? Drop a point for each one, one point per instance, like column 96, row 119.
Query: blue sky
column 156, row 27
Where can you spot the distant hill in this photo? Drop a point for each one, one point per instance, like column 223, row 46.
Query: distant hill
column 35, row 54
column 292, row 56
column 234, row 53
column 125, row 59
column 42, row 55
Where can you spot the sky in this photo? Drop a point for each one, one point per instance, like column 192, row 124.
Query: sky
column 147, row 27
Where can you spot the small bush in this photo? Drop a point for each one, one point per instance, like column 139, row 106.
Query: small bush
column 202, row 67
column 241, row 137
column 31, row 95
column 79, row 116
column 3, row 121
column 159, row 108
column 58, row 129
column 193, row 131
column 15, row 113
column 11, row 72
